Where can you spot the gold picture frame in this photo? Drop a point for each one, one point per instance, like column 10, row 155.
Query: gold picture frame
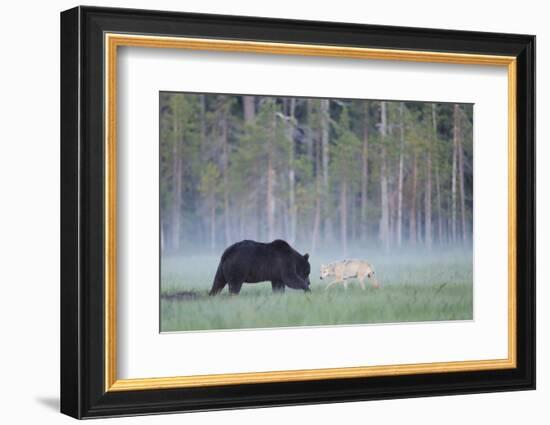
column 91, row 40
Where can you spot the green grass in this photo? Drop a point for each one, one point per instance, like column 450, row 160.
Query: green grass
column 414, row 288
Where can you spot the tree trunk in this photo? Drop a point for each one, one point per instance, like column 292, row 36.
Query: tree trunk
column 316, row 219
column 440, row 236
column 400, row 176
column 177, row 176
column 384, row 220
column 325, row 118
column 317, row 214
column 249, row 110
column 353, row 232
column 249, row 115
column 270, row 204
column 419, row 223
column 461, row 176
column 454, row 171
column 203, row 140
column 259, row 218
column 392, row 201
column 291, row 173
column 242, row 221
column 309, row 139
column 428, row 190
column 270, row 201
column 203, row 157
column 162, row 242
column 344, row 216
column 225, row 167
column 437, row 182
column 365, row 174
column 212, row 225
column 412, row 219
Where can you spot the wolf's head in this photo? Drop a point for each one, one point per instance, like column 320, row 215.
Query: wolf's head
column 370, row 275
column 326, row 270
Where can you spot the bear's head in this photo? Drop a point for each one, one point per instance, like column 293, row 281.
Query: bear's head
column 303, row 269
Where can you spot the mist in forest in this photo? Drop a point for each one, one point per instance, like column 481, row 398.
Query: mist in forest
column 344, row 176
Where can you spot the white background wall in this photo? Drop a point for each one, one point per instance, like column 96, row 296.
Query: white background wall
column 29, row 212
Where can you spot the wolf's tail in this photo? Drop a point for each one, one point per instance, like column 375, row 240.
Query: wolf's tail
column 219, row 281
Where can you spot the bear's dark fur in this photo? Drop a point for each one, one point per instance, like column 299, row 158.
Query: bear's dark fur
column 252, row 262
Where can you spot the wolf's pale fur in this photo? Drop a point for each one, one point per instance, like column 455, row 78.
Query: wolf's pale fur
column 348, row 269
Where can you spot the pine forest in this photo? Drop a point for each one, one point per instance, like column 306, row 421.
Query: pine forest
column 338, row 173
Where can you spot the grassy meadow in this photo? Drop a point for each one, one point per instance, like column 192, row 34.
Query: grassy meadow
column 414, row 287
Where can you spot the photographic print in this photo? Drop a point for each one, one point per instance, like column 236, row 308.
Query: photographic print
column 293, row 211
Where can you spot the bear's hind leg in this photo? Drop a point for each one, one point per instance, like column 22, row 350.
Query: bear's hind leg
column 235, row 288
column 216, row 288
column 219, row 282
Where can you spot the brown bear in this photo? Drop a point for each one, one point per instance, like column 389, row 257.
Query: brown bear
column 252, row 262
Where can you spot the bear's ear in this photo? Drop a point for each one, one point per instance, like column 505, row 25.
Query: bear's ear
column 306, row 256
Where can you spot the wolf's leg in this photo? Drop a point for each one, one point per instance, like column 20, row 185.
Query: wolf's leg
column 235, row 288
column 361, row 279
column 277, row 286
column 334, row 282
column 346, row 284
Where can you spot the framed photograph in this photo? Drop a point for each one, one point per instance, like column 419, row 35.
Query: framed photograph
column 260, row 212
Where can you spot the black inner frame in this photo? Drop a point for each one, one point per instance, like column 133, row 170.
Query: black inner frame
column 82, row 212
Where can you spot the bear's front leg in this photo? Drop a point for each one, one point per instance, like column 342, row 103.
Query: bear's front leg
column 292, row 280
column 277, row 286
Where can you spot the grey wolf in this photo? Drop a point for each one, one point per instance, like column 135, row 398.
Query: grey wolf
column 348, row 269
